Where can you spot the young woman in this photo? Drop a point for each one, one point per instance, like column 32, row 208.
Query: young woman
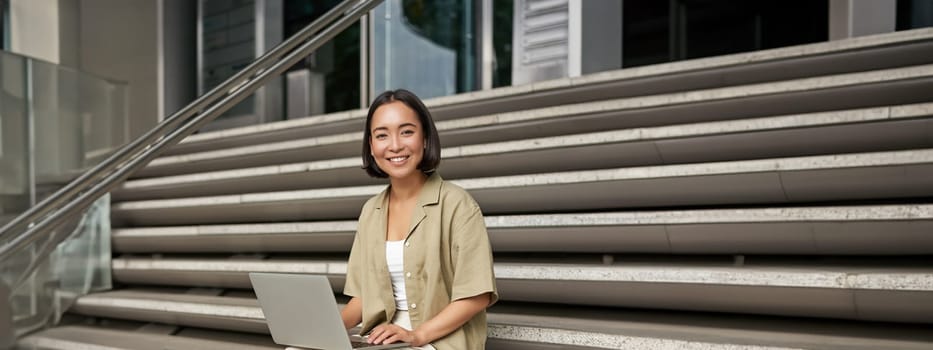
column 420, row 270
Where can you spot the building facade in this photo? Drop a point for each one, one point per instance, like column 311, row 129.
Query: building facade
column 170, row 51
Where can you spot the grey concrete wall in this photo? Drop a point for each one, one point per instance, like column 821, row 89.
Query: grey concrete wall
column 119, row 41
column 601, row 36
column 25, row 17
column 851, row 18
column 69, row 24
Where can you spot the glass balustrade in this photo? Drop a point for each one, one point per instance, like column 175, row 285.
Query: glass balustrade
column 55, row 123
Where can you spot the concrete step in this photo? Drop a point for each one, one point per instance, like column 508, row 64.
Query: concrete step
column 98, row 338
column 537, row 326
column 847, row 131
column 642, row 329
column 880, row 175
column 829, row 98
column 841, row 230
column 876, row 290
column 867, row 53
column 846, row 91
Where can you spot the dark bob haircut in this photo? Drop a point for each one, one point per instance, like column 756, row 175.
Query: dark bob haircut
column 432, row 144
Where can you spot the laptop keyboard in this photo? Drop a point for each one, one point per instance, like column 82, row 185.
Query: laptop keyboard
column 359, row 344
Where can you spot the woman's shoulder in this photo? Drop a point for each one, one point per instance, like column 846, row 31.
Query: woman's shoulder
column 452, row 193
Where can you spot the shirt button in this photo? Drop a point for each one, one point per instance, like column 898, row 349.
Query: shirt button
column 414, row 306
column 408, row 274
column 407, row 244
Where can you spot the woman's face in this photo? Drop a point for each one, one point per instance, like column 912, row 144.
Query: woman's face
column 397, row 140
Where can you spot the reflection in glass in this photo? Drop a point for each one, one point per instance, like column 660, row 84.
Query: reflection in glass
column 228, row 33
column 337, row 62
column 502, row 23
column 427, row 47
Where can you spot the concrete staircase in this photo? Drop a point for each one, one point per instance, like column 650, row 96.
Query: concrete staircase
column 780, row 199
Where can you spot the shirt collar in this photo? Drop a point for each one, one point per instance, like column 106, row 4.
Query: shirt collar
column 430, row 193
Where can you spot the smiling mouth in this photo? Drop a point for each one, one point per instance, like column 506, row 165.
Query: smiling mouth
column 398, row 159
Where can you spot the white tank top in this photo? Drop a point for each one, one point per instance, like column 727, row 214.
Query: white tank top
column 396, row 262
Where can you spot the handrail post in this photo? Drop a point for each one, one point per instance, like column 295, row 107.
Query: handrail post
column 31, row 175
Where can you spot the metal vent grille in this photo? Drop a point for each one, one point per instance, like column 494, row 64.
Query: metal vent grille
column 544, row 29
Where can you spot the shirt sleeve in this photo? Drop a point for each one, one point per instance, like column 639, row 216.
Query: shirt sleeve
column 354, row 284
column 472, row 257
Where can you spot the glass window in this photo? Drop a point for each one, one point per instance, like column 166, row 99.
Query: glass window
column 338, row 60
column 914, row 14
column 658, row 31
column 4, row 25
column 502, row 22
column 228, row 31
column 645, row 32
column 428, row 47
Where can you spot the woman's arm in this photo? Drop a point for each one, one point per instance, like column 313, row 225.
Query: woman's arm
column 449, row 319
column 352, row 313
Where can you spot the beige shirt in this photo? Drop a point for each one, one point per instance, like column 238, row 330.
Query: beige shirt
column 447, row 257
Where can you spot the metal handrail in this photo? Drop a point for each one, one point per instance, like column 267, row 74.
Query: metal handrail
column 235, row 88
column 72, row 188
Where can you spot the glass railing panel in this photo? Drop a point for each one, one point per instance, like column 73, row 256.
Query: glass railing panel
column 55, row 122
column 76, row 261
column 14, row 173
column 119, row 121
column 81, row 263
column 58, row 125
column 76, row 121
column 103, row 117
column 80, row 119
column 27, row 299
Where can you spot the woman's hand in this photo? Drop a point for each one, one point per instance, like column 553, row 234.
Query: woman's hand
column 390, row 333
column 449, row 319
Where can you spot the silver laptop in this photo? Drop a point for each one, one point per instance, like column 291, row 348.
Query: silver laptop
column 301, row 311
